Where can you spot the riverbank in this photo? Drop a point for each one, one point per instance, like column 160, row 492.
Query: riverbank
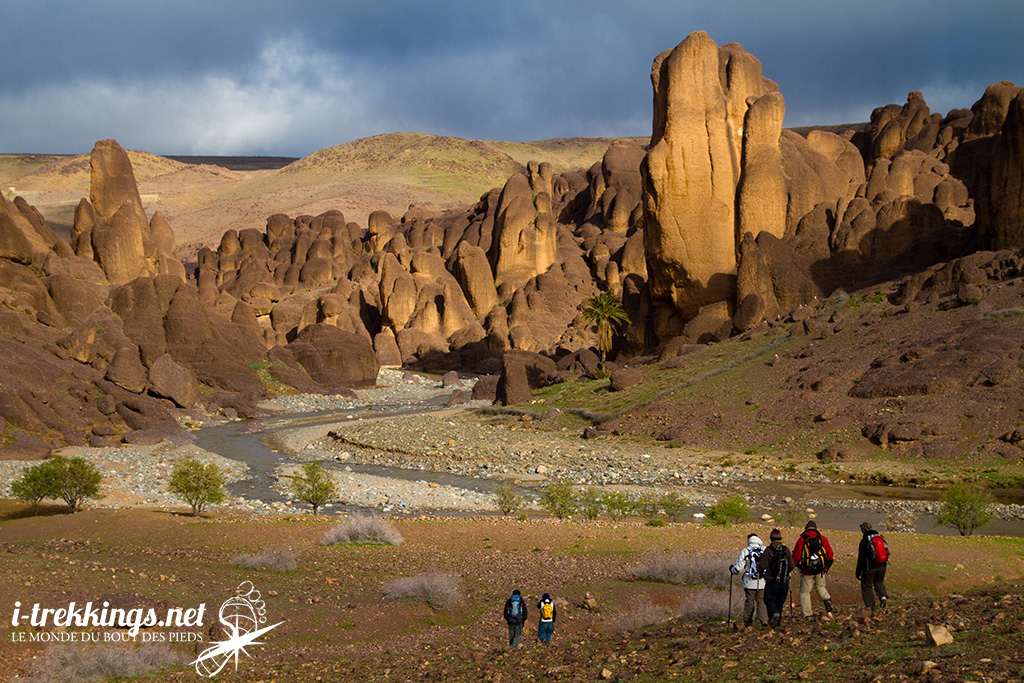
column 397, row 448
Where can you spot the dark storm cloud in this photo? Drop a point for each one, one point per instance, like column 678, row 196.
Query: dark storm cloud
column 266, row 77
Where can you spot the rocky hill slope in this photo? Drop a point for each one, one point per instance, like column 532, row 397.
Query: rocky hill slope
column 726, row 227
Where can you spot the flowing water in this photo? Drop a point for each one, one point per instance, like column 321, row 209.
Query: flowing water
column 231, row 440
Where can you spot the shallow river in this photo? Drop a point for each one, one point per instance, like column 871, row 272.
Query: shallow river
column 231, row 441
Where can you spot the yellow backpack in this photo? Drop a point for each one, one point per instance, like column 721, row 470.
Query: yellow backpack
column 547, row 611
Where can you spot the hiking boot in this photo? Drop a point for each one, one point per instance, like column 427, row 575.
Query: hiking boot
column 828, row 607
column 884, row 600
column 776, row 620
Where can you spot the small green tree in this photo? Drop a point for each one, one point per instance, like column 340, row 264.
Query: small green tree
column 315, row 486
column 588, row 502
column 76, row 480
column 36, row 483
column 557, row 498
column 729, row 510
column 197, row 484
column 617, row 504
column 508, row 499
column 674, row 505
column 964, row 508
column 648, row 505
column 606, row 312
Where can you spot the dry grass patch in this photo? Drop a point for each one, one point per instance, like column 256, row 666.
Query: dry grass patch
column 686, row 569
column 363, row 530
column 82, row 664
column 276, row 561
column 438, row 590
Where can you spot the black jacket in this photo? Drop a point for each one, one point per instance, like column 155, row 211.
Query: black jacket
column 864, row 562
column 521, row 619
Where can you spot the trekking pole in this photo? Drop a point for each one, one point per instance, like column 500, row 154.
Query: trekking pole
column 729, row 620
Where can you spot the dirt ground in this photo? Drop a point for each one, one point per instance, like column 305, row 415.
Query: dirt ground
column 339, row 626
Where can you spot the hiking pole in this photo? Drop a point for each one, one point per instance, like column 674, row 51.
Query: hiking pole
column 729, row 620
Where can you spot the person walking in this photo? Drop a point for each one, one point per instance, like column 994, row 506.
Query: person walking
column 753, row 584
column 813, row 556
column 872, row 559
column 548, row 614
column 515, row 617
column 776, row 565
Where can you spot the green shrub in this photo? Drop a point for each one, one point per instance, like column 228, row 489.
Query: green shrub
column 617, row 504
column 674, row 505
column 315, row 486
column 588, row 502
column 77, row 480
column 36, row 483
column 964, row 508
column 791, row 514
column 557, row 498
column 508, row 499
column 655, row 522
column 197, row 484
column 648, row 505
column 729, row 510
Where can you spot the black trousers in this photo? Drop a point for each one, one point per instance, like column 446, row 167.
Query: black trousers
column 775, row 593
column 872, row 582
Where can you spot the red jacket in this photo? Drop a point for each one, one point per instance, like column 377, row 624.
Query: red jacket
column 798, row 550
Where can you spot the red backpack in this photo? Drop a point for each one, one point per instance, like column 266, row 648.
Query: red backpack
column 878, row 549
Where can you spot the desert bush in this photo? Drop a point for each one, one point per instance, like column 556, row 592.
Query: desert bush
column 686, row 569
column 315, row 486
column 508, row 499
column 588, row 502
column 617, row 504
column 638, row 614
column 648, row 505
column 964, row 508
column 707, row 604
column 68, row 664
column 557, row 498
column 438, row 590
column 362, row 530
column 197, row 484
column 791, row 514
column 276, row 561
column 674, row 505
column 729, row 510
column 76, row 480
column 36, row 483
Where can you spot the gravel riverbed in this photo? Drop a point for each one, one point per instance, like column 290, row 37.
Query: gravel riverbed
column 462, row 442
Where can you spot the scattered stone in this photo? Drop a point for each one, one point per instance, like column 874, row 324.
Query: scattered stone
column 938, row 635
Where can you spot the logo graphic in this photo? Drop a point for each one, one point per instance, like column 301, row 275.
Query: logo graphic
column 241, row 616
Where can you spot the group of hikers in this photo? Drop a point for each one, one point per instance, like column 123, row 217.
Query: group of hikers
column 766, row 571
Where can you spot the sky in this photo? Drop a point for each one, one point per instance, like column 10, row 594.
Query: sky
column 290, row 77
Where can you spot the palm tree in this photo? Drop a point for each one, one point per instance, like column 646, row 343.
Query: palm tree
column 604, row 310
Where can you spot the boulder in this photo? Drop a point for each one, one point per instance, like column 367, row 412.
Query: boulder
column 169, row 379
column 513, row 386
column 333, row 357
column 624, row 378
column 127, row 371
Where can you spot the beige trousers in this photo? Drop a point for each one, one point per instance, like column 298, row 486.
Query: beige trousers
column 806, row 582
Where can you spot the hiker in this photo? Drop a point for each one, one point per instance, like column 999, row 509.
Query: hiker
column 515, row 617
column 776, row 564
column 812, row 555
column 753, row 584
column 548, row 614
column 872, row 559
